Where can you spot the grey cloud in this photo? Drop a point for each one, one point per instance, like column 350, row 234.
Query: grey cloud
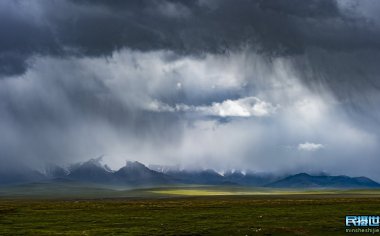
column 60, row 117
column 77, row 75
column 330, row 42
column 66, row 110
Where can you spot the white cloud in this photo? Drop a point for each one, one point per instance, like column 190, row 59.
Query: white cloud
column 179, row 85
column 159, row 106
column 310, row 147
column 243, row 107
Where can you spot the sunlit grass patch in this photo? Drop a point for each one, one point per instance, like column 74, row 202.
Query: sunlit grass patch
column 201, row 192
column 227, row 191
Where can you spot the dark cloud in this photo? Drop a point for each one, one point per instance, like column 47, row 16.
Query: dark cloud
column 312, row 8
column 21, row 37
column 99, row 27
column 12, row 64
column 341, row 45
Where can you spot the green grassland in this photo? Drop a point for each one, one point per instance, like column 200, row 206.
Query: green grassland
column 181, row 210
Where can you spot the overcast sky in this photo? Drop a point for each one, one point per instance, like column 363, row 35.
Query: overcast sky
column 266, row 85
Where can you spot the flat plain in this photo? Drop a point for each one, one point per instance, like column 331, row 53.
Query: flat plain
column 196, row 210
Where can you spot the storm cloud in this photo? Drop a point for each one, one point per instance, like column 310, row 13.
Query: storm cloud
column 272, row 85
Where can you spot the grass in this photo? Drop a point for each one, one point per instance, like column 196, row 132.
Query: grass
column 172, row 211
column 223, row 190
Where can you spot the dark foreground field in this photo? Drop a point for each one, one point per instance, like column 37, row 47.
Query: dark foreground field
column 307, row 214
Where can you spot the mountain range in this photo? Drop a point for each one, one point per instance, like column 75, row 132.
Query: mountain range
column 304, row 180
column 136, row 174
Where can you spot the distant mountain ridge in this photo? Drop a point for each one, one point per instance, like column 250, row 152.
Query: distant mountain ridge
column 90, row 171
column 135, row 174
column 304, row 180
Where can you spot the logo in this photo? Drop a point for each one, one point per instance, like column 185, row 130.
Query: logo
column 362, row 221
column 362, row 224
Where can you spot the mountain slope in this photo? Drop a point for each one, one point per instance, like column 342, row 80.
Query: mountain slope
column 20, row 176
column 91, row 171
column 135, row 173
column 304, row 180
column 249, row 179
column 197, row 176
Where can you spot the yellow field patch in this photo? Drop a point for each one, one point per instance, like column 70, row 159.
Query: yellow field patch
column 205, row 192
